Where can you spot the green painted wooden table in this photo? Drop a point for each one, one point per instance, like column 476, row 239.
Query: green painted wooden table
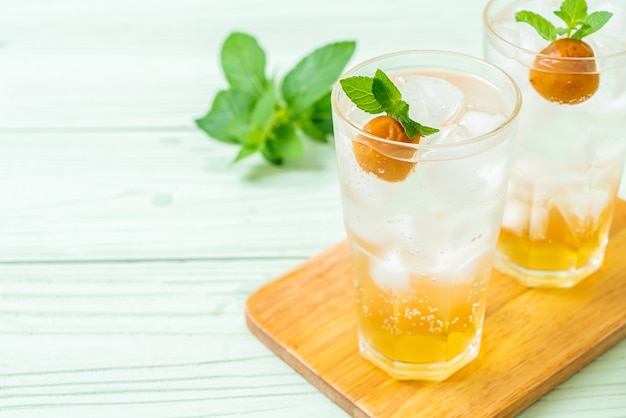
column 129, row 243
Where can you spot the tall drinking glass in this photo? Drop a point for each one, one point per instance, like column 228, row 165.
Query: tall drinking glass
column 571, row 146
column 423, row 219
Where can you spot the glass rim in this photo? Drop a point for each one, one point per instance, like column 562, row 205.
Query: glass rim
column 509, row 119
column 487, row 24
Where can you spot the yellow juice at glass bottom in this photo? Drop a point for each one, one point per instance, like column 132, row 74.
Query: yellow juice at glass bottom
column 564, row 245
column 570, row 150
column 430, row 320
column 557, row 240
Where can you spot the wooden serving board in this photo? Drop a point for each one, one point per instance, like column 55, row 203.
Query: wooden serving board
column 533, row 339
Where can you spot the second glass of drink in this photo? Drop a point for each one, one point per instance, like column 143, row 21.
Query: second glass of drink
column 571, row 141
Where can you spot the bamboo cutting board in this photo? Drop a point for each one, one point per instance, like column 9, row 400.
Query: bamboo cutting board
column 533, row 339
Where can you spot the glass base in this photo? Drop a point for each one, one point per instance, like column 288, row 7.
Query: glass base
column 420, row 371
column 547, row 278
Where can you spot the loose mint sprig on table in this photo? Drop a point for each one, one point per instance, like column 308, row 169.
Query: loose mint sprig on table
column 270, row 117
column 377, row 95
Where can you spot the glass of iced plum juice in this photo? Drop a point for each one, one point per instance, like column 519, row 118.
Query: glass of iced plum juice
column 422, row 212
column 569, row 59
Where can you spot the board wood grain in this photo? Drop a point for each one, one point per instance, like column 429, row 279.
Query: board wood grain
column 533, row 339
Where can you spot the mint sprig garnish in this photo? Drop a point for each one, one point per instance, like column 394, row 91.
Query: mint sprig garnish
column 377, row 95
column 270, row 117
column 574, row 13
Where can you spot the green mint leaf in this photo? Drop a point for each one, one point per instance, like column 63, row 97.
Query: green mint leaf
column 315, row 131
column 239, row 127
column 272, row 155
column 263, row 113
column 561, row 31
column 412, row 127
column 315, row 74
column 543, row 26
column 572, row 12
column 359, row 90
column 387, row 94
column 284, row 144
column 243, row 63
column 379, row 94
column 317, row 123
column 426, row 130
column 564, row 17
column 390, row 98
column 227, row 112
column 254, row 143
column 580, row 33
column 592, row 23
column 575, row 15
column 262, row 118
